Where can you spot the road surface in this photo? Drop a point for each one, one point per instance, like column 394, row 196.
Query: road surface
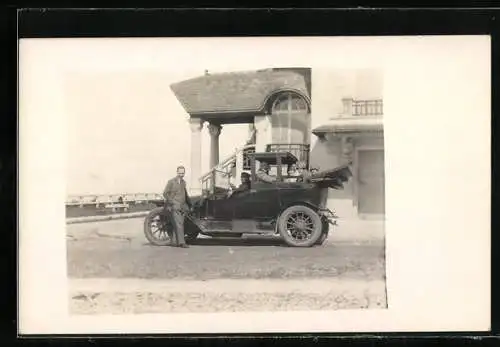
column 112, row 268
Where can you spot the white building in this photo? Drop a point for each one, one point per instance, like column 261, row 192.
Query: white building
column 343, row 125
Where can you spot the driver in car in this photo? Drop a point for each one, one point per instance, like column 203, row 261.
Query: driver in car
column 245, row 184
column 263, row 173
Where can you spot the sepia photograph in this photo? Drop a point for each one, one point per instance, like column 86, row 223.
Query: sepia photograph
column 254, row 185
column 286, row 213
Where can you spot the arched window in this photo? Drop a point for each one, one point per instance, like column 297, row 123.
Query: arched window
column 290, row 119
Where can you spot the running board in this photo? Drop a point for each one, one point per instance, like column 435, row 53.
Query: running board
column 234, row 227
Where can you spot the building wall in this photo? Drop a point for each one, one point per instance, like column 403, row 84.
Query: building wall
column 326, row 154
column 329, row 87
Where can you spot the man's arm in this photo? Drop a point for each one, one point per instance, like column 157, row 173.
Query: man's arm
column 242, row 187
column 265, row 177
column 167, row 191
column 188, row 200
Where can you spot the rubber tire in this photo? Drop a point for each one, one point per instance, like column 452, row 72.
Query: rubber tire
column 318, row 226
column 191, row 231
column 147, row 230
column 324, row 233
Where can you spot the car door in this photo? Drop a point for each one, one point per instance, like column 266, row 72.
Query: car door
column 260, row 202
column 222, row 209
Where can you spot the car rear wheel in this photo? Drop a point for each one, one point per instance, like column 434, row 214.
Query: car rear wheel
column 300, row 226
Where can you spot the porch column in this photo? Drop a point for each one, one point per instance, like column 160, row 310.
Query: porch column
column 263, row 136
column 214, row 131
column 196, row 125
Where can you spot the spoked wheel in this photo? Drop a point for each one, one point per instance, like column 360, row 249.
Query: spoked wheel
column 157, row 229
column 300, row 226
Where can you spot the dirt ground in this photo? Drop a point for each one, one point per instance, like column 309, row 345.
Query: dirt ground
column 228, row 296
column 112, row 269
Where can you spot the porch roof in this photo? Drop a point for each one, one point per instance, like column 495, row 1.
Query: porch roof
column 234, row 93
column 358, row 124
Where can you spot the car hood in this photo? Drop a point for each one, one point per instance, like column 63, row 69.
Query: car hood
column 333, row 178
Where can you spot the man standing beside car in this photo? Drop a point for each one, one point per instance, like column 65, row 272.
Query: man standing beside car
column 177, row 202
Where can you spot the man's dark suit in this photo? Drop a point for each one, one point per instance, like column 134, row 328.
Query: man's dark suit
column 177, row 200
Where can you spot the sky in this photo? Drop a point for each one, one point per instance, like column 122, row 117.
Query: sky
column 127, row 132
column 437, row 121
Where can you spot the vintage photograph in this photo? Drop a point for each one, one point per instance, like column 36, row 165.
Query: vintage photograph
column 237, row 190
column 254, row 185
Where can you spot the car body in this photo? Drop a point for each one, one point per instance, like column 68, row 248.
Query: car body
column 294, row 210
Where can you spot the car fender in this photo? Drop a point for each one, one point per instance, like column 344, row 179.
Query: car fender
column 316, row 208
column 299, row 202
column 284, row 207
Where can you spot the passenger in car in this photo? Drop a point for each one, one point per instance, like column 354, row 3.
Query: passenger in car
column 263, row 174
column 292, row 173
column 305, row 175
column 314, row 170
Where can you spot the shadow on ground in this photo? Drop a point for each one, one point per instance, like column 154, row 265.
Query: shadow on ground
column 233, row 242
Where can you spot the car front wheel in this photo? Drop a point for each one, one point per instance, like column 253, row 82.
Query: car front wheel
column 300, row 226
column 157, row 228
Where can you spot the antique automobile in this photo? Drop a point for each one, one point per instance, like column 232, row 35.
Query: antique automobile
column 290, row 208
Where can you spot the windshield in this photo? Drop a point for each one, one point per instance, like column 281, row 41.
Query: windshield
column 217, row 180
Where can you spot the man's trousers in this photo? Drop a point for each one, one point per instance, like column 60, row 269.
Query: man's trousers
column 178, row 223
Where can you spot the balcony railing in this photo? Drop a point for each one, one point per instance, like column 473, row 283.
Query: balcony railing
column 300, row 150
column 246, row 157
column 355, row 108
column 217, row 179
column 220, row 175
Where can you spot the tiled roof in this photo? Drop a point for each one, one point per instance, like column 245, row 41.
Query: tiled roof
column 236, row 91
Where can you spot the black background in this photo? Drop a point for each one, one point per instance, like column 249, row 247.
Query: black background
column 45, row 23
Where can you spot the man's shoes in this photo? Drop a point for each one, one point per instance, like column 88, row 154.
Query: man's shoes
column 183, row 245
